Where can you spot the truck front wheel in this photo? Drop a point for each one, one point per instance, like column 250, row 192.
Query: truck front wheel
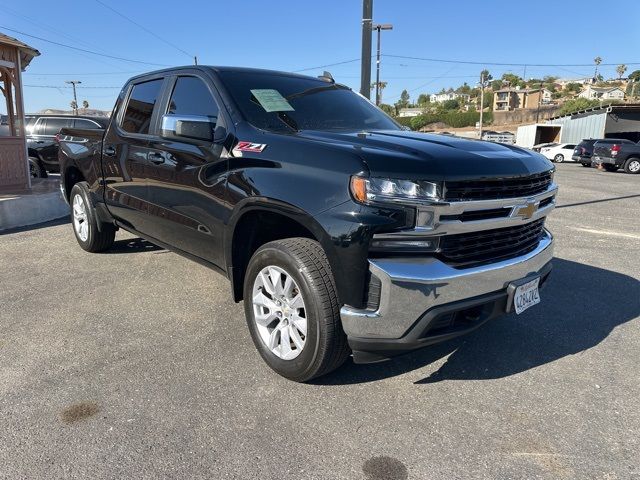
column 292, row 309
column 85, row 226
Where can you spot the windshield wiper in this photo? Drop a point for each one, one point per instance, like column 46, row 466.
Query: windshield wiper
column 288, row 121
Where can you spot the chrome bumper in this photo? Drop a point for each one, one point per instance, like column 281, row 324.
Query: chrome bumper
column 412, row 286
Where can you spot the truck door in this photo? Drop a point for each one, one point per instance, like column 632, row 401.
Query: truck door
column 125, row 155
column 188, row 179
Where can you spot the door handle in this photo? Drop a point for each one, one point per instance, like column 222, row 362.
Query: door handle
column 156, row 158
column 110, row 151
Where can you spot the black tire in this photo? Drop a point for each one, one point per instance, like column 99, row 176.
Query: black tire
column 96, row 240
column 632, row 165
column 610, row 168
column 588, row 165
column 559, row 158
column 36, row 170
column 325, row 347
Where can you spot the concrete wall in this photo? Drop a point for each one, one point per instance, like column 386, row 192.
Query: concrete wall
column 523, row 115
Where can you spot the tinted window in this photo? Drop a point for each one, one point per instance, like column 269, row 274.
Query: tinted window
column 137, row 116
column 312, row 104
column 54, row 125
column 192, row 97
column 82, row 123
column 570, row 146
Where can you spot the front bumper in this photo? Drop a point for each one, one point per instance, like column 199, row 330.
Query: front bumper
column 425, row 301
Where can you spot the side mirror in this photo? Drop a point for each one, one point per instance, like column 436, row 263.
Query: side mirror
column 187, row 127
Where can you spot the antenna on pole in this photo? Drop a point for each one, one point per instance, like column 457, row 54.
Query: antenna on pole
column 195, row 60
column 75, row 98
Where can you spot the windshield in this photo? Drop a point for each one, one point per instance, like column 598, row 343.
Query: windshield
column 273, row 101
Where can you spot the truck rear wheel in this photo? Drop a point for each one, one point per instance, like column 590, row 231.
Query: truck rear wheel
column 292, row 309
column 632, row 165
column 85, row 225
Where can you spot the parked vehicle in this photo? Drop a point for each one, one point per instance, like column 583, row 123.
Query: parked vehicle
column 537, row 148
column 584, row 151
column 558, row 153
column 616, row 153
column 341, row 232
column 42, row 146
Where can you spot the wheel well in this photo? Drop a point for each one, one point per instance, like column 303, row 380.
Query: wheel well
column 253, row 230
column 71, row 176
column 33, row 154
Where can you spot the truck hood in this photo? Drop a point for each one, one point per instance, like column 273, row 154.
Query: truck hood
column 411, row 155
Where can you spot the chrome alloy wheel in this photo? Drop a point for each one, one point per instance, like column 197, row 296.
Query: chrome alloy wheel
column 279, row 312
column 80, row 223
column 634, row 166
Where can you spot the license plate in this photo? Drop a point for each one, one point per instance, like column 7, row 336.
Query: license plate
column 526, row 296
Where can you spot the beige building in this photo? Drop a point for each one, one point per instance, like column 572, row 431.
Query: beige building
column 507, row 99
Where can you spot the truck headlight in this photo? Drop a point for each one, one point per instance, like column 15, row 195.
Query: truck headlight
column 366, row 190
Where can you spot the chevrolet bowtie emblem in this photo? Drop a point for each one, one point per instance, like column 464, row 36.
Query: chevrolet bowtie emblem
column 525, row 211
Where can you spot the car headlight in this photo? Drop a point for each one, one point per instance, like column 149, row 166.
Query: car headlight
column 366, row 190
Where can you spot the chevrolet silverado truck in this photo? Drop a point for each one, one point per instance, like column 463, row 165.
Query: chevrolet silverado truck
column 343, row 233
column 614, row 154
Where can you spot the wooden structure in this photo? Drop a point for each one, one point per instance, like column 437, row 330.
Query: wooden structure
column 15, row 56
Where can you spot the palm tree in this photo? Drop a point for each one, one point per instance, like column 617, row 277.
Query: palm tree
column 620, row 70
column 597, row 61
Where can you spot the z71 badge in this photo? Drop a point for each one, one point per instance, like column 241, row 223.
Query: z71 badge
column 250, row 147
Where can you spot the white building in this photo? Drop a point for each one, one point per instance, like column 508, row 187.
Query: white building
column 602, row 93
column 411, row 112
column 443, row 97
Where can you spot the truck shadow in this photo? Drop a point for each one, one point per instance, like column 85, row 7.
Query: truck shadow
column 133, row 245
column 580, row 306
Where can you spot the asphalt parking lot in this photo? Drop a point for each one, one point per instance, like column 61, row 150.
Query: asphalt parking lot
column 137, row 364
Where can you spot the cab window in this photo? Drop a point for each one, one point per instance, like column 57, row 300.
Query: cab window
column 137, row 116
column 192, row 97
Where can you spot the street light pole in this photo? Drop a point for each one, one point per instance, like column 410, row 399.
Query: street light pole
column 75, row 98
column 365, row 67
column 379, row 27
column 481, row 102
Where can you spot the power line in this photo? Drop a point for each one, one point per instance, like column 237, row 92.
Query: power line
column 150, row 32
column 36, row 74
column 468, row 62
column 84, row 50
column 62, row 86
column 327, row 65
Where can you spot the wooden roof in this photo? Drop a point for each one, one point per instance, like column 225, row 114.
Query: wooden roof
column 26, row 52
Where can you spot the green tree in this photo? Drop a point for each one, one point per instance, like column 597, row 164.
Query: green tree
column 85, row 104
column 404, row 99
column 451, row 105
column 388, row 109
column 423, row 99
column 634, row 76
column 573, row 87
column 577, row 104
column 597, row 61
column 464, row 89
column 488, row 100
column 620, row 70
column 496, row 85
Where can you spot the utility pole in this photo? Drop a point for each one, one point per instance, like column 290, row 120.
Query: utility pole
column 75, row 98
column 379, row 27
column 365, row 68
column 539, row 101
column 481, row 101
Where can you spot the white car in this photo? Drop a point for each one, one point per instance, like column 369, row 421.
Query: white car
column 559, row 153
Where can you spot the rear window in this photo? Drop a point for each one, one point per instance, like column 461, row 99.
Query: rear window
column 137, row 116
column 83, row 123
column 53, row 126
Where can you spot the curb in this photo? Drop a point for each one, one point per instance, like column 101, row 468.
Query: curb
column 23, row 210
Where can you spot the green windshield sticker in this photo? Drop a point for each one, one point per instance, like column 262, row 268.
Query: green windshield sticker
column 271, row 100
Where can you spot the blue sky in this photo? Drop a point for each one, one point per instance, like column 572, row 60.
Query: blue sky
column 295, row 35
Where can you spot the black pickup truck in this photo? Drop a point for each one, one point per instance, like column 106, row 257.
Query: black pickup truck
column 614, row 154
column 343, row 233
